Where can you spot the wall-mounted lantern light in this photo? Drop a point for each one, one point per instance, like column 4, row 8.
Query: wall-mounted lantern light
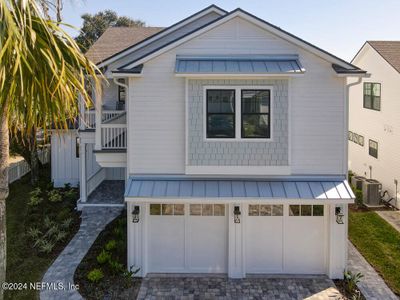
column 236, row 214
column 339, row 215
column 135, row 214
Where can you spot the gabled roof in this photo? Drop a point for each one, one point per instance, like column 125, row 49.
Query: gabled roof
column 351, row 69
column 116, row 39
column 164, row 32
column 389, row 50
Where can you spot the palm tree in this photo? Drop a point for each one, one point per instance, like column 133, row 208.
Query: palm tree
column 42, row 71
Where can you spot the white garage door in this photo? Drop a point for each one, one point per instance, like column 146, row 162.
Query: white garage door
column 291, row 243
column 187, row 238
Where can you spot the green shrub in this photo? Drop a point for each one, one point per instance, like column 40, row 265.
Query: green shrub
column 35, row 197
column 95, row 275
column 54, row 196
column 63, row 214
column 61, row 235
column 350, row 174
column 70, row 195
column 67, row 223
column 67, row 186
column 46, row 246
column 103, row 257
column 33, row 233
column 111, row 245
column 36, row 192
column 48, row 223
column 52, row 231
column 132, row 272
column 359, row 197
column 351, row 280
column 116, row 267
column 118, row 232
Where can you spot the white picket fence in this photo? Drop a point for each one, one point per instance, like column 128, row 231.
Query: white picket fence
column 21, row 168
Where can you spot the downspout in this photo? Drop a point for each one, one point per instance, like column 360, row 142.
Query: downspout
column 348, row 86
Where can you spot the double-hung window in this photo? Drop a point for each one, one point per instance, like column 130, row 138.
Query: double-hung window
column 255, row 114
column 221, row 113
column 238, row 113
column 372, row 95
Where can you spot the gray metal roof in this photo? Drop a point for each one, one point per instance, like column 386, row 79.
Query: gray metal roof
column 271, row 64
column 232, row 188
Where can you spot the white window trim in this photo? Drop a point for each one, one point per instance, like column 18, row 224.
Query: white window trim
column 238, row 112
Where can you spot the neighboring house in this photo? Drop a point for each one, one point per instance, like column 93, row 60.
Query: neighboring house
column 374, row 128
column 232, row 137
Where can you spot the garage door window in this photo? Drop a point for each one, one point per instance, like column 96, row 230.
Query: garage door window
column 306, row 210
column 265, row 210
column 207, row 209
column 167, row 209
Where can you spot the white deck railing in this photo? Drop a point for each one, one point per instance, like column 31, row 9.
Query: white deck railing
column 89, row 117
column 111, row 114
column 113, row 136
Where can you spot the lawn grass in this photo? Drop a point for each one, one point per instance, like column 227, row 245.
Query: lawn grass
column 24, row 263
column 379, row 243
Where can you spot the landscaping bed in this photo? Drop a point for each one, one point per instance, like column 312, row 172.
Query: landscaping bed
column 102, row 274
column 40, row 223
column 378, row 242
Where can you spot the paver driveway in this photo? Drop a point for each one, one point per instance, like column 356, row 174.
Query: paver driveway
column 219, row 287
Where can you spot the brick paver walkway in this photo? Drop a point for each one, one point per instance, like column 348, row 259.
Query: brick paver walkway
column 372, row 285
column 94, row 220
column 220, row 287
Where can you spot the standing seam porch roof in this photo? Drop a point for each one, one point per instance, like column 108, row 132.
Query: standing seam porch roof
column 232, row 188
column 271, row 64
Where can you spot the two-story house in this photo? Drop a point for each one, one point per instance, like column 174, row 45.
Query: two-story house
column 374, row 128
column 231, row 137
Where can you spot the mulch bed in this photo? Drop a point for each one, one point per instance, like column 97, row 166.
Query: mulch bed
column 112, row 286
column 341, row 286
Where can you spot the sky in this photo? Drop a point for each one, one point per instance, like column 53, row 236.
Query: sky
column 338, row 26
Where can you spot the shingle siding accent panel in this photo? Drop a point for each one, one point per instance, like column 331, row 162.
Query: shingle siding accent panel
column 238, row 153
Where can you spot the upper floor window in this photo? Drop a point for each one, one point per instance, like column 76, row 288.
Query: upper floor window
column 239, row 113
column 255, row 114
column 121, row 91
column 220, row 113
column 373, row 148
column 372, row 95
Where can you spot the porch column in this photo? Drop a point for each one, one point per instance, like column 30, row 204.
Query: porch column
column 83, row 183
column 236, row 268
column 99, row 111
column 136, row 239
column 337, row 259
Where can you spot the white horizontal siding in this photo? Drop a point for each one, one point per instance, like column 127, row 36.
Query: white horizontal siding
column 382, row 126
column 157, row 104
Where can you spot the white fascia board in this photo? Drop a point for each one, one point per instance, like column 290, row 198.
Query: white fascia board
column 123, row 75
column 253, row 20
column 357, row 75
column 164, row 33
column 242, row 200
